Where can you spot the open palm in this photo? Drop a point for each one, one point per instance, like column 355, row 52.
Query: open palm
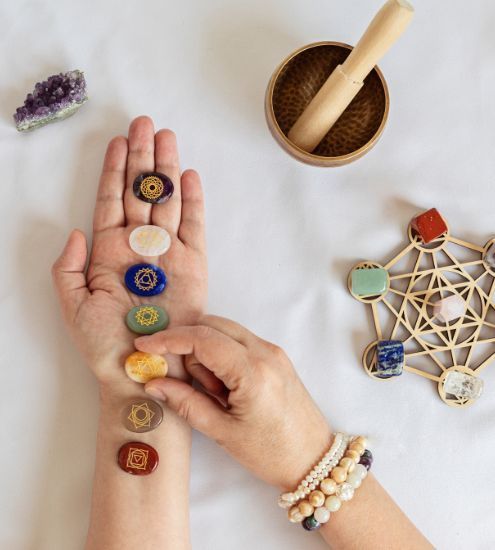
column 95, row 302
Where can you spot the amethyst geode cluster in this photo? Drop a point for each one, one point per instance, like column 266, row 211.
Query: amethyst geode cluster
column 54, row 99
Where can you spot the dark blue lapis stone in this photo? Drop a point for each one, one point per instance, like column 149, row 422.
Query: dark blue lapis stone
column 145, row 279
column 390, row 358
column 311, row 524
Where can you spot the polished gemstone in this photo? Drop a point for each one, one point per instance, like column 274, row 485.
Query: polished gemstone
column 311, row 524
column 367, row 459
column 369, row 282
column 345, row 492
column 142, row 415
column 463, row 385
column 143, row 367
column 449, row 309
column 145, row 279
column 153, row 187
column 149, row 240
column 390, row 358
column 137, row 458
column 429, row 226
column 489, row 256
column 147, row 319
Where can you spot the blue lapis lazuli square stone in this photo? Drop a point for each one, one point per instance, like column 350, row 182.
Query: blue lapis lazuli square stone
column 390, row 355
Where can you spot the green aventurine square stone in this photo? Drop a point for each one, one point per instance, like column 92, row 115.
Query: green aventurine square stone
column 369, row 282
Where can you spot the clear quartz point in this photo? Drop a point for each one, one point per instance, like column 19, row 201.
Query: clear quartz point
column 463, row 385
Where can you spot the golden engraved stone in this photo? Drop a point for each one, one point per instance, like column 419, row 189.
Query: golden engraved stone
column 143, row 367
column 151, row 187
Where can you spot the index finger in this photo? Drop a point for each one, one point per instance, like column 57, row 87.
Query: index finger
column 219, row 353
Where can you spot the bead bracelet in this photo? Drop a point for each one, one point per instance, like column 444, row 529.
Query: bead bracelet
column 329, row 485
column 318, row 473
column 343, row 492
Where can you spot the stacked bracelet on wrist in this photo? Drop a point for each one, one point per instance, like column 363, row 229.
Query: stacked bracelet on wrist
column 332, row 481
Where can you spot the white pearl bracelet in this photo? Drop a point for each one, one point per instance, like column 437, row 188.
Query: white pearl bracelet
column 318, row 473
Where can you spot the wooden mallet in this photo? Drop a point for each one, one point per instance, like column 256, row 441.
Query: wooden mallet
column 347, row 79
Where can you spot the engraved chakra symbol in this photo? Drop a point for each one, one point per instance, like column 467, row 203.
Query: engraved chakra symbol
column 141, row 416
column 137, row 459
column 146, row 279
column 146, row 368
column 147, row 316
column 147, row 239
column 151, row 187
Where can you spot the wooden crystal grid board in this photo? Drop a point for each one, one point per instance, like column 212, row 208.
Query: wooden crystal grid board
column 419, row 276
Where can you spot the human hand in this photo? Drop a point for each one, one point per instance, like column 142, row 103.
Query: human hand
column 95, row 303
column 257, row 409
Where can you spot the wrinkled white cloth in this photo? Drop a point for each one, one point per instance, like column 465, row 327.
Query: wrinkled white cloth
column 282, row 237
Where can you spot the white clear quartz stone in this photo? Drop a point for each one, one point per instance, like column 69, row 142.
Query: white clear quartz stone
column 360, row 471
column 354, row 479
column 463, row 385
column 345, row 492
column 333, row 503
column 299, row 495
column 309, row 478
column 304, row 483
column 450, row 308
column 149, row 240
column 312, row 486
column 307, row 490
column 322, row 515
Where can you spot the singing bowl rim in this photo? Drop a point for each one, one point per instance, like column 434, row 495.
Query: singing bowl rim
column 297, row 152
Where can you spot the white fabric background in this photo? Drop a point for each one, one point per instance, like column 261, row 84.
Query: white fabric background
column 282, row 237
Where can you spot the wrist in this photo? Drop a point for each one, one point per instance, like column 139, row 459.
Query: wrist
column 312, row 445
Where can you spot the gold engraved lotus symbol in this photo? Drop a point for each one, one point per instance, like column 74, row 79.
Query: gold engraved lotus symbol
column 141, row 416
column 146, row 316
column 151, row 187
column 137, row 459
column 145, row 279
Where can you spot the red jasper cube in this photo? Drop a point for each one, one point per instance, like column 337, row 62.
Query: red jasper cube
column 429, row 225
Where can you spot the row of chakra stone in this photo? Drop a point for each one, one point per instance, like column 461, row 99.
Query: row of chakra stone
column 145, row 279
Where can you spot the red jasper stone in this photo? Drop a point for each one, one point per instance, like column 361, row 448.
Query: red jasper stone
column 429, row 225
column 138, row 458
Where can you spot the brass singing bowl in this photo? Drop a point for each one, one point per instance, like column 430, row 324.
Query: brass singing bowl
column 294, row 84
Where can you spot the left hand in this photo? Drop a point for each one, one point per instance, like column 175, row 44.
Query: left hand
column 95, row 303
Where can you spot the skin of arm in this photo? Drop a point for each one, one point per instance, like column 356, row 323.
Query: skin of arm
column 135, row 511
column 262, row 415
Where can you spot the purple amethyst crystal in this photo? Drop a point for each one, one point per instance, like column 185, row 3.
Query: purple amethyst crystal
column 58, row 97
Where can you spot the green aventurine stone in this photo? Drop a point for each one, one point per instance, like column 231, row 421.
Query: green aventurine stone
column 369, row 282
column 147, row 319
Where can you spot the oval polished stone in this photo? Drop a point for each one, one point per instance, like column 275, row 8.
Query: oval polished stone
column 149, row 240
column 153, row 187
column 137, row 458
column 142, row 415
column 145, row 279
column 143, row 367
column 147, row 319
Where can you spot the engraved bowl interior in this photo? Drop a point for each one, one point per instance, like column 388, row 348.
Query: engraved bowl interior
column 297, row 81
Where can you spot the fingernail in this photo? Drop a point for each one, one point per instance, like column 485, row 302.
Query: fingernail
column 155, row 392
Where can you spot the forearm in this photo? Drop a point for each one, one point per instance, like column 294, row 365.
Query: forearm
column 372, row 520
column 131, row 511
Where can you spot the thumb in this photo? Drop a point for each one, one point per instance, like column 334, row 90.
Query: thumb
column 199, row 410
column 68, row 274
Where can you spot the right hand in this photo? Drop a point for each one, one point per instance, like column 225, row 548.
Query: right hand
column 257, row 409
